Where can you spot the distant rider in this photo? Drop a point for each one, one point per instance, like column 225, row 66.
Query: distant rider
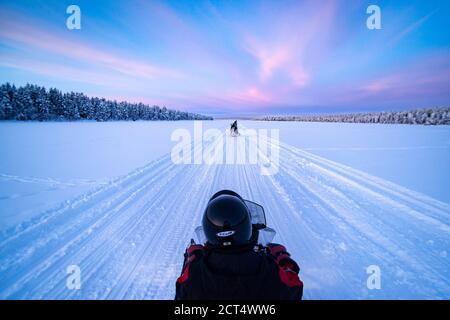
column 228, row 266
column 234, row 128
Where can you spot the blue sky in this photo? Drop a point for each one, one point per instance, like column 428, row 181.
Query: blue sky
column 234, row 57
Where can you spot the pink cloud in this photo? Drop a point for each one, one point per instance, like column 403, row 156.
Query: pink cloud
column 276, row 57
column 412, row 79
column 250, row 95
column 24, row 33
column 59, row 71
column 411, row 83
column 292, row 44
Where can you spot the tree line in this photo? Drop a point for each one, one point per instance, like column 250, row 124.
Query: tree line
column 429, row 116
column 32, row 102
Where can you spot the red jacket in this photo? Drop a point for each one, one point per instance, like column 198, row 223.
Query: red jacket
column 239, row 273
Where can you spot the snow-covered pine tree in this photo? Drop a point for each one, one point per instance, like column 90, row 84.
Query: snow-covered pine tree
column 6, row 93
column 42, row 104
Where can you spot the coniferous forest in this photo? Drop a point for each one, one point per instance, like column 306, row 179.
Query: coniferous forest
column 427, row 116
column 32, row 102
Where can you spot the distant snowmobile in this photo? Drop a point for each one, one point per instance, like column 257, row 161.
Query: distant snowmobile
column 234, row 258
column 234, row 129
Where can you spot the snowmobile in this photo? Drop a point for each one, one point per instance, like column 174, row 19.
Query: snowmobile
column 261, row 234
column 234, row 242
column 234, row 129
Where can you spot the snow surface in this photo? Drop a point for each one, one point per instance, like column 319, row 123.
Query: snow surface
column 70, row 195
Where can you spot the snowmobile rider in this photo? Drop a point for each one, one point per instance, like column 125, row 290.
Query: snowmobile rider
column 234, row 127
column 228, row 266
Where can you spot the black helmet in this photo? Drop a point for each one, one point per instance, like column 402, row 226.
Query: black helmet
column 227, row 220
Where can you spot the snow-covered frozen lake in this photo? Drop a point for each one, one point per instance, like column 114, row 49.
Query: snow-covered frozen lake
column 44, row 163
column 107, row 197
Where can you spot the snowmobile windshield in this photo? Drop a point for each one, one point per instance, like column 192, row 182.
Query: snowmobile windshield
column 200, row 235
column 258, row 216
